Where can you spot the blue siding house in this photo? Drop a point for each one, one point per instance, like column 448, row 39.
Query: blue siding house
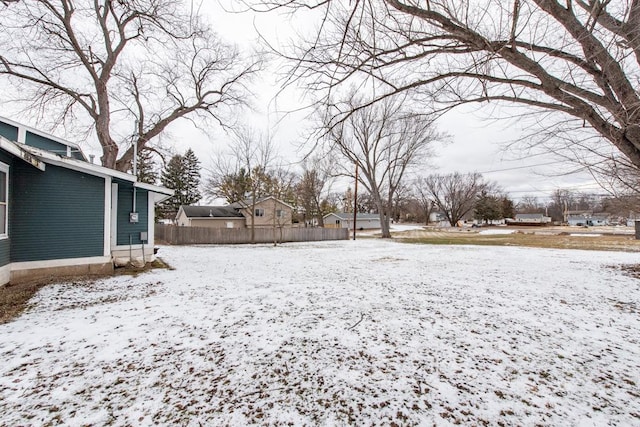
column 63, row 215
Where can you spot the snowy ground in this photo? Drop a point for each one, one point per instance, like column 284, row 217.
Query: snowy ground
column 368, row 332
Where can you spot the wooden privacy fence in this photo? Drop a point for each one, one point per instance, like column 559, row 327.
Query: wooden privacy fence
column 175, row 235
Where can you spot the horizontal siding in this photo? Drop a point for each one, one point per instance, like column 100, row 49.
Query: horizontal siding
column 56, row 214
column 4, row 252
column 127, row 232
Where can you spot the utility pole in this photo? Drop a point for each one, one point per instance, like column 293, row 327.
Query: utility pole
column 355, row 204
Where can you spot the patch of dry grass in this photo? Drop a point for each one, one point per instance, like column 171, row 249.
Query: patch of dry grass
column 14, row 298
column 624, row 243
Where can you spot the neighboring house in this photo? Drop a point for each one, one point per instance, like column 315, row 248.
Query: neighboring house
column 269, row 212
column 345, row 220
column 61, row 215
column 577, row 220
column 576, row 216
column 439, row 219
column 530, row 219
column 437, row 216
column 593, row 220
column 210, row 216
column 600, row 219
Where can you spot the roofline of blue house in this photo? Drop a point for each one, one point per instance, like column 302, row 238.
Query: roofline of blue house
column 85, row 167
column 35, row 131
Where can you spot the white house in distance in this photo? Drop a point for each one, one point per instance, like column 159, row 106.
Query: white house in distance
column 591, row 220
column 530, row 219
column 345, row 220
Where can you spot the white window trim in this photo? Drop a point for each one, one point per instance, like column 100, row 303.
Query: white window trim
column 259, row 212
column 4, row 168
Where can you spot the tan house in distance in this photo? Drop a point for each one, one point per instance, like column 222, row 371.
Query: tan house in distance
column 269, row 212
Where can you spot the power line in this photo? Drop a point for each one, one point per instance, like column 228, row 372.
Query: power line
column 523, row 167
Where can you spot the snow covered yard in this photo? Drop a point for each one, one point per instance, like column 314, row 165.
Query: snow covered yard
column 368, row 332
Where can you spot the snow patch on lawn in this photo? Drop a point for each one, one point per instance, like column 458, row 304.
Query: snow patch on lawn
column 368, row 332
column 497, row 231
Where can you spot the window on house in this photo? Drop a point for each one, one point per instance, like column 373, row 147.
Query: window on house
column 4, row 197
column 280, row 213
column 259, row 212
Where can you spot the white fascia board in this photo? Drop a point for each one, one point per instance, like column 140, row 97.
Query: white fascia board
column 155, row 189
column 77, row 165
column 16, row 150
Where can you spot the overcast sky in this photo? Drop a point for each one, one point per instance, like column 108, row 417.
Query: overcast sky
column 476, row 144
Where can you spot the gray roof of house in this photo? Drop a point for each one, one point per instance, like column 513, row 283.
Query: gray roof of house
column 347, row 215
column 211, row 212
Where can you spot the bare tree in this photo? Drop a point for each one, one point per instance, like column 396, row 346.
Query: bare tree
column 245, row 168
column 383, row 141
column 424, row 198
column 314, row 187
column 455, row 194
column 577, row 59
column 529, row 204
column 143, row 63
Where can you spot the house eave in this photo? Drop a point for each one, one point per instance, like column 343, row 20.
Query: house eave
column 16, row 150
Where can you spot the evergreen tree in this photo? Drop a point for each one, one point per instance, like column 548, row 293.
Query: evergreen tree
column 182, row 175
column 146, row 167
column 508, row 208
column 488, row 207
column 191, row 166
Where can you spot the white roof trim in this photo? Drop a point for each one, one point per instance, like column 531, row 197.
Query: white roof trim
column 91, row 169
column 18, row 151
column 154, row 188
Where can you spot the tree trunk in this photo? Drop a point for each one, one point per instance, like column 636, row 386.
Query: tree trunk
column 253, row 220
column 384, row 224
column 109, row 152
column 275, row 238
column 384, row 219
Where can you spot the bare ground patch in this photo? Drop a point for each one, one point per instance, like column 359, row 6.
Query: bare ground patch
column 14, row 298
